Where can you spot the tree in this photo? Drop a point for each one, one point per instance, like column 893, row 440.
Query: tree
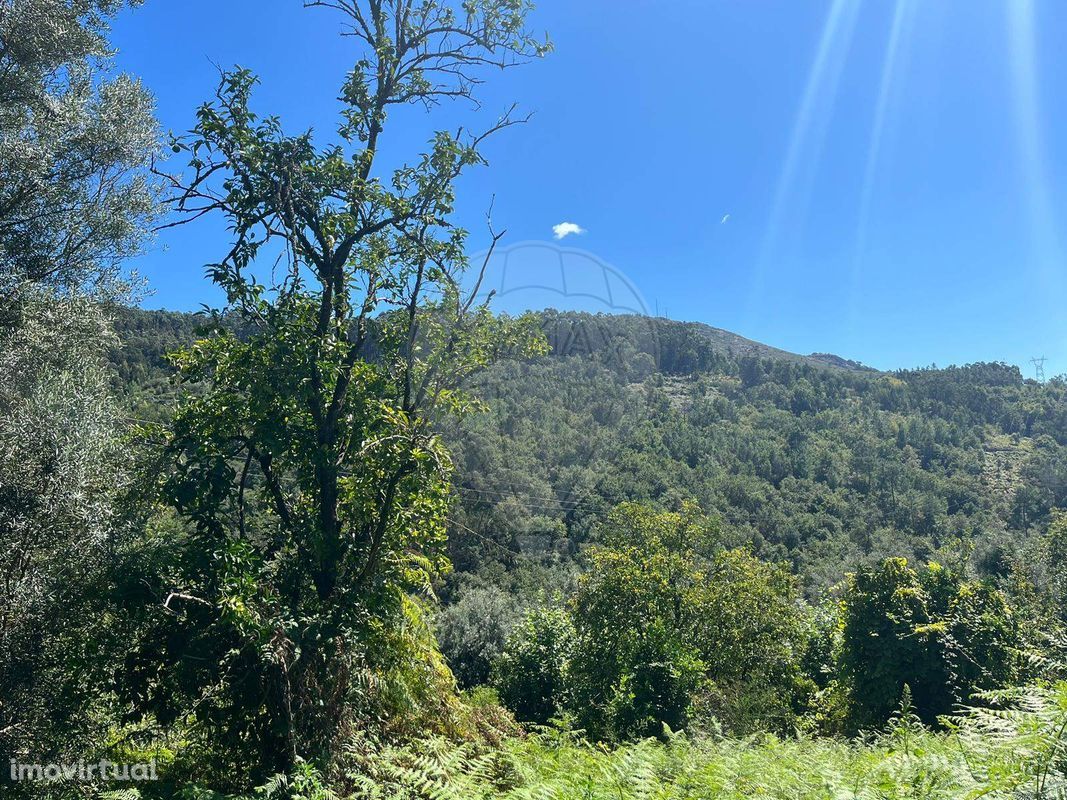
column 532, row 673
column 1038, row 583
column 940, row 635
column 59, row 474
column 75, row 198
column 309, row 467
column 472, row 632
column 670, row 626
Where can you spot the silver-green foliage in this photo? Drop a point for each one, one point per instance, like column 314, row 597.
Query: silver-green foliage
column 75, row 142
column 75, row 200
column 58, row 477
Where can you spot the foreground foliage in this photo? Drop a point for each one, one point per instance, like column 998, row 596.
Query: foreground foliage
column 75, row 142
column 267, row 593
column 1016, row 750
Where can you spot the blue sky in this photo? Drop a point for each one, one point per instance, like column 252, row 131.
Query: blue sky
column 890, row 173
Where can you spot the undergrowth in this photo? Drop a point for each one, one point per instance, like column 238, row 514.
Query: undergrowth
column 1013, row 746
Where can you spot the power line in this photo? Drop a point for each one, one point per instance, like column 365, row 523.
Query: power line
column 529, row 506
column 485, row 538
column 552, row 502
column 1039, row 368
column 516, row 493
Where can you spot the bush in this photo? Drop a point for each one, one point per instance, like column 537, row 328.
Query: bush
column 668, row 629
column 532, row 674
column 944, row 637
column 472, row 632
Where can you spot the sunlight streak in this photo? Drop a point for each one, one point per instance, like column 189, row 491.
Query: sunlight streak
column 1045, row 245
column 809, row 132
column 903, row 20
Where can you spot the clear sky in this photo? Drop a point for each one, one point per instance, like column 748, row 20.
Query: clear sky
column 882, row 180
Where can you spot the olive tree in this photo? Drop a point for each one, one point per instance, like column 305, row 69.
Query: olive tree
column 75, row 199
column 75, row 139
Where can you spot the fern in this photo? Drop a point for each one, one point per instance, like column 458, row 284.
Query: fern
column 1020, row 739
column 306, row 783
column 121, row 794
column 1012, row 746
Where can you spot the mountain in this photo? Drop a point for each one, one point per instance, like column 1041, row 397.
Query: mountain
column 814, row 460
column 728, row 342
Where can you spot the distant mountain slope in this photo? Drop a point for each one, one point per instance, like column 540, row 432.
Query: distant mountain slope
column 676, row 347
column 811, row 459
column 146, row 336
column 739, row 345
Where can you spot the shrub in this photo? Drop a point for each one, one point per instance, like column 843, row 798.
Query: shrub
column 944, row 637
column 532, row 674
column 472, row 632
column 669, row 628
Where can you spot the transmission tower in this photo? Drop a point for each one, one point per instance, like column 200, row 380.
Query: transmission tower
column 1039, row 368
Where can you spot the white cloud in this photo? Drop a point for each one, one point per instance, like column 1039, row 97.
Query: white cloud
column 565, row 229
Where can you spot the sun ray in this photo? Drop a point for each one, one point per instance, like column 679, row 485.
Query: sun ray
column 903, row 19
column 808, row 131
column 1046, row 248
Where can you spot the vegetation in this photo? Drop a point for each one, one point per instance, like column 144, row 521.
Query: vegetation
column 75, row 140
column 665, row 625
column 309, row 470
column 944, row 638
column 1010, row 753
column 619, row 561
column 355, row 535
column 74, row 197
column 533, row 672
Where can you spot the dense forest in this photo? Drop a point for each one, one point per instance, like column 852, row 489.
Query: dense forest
column 355, row 534
column 820, row 466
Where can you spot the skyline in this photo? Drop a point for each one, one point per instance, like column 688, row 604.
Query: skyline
column 876, row 181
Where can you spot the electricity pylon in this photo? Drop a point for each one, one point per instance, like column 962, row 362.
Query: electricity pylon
column 1039, row 368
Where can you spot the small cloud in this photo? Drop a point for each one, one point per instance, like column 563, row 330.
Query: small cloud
column 565, row 229
column 725, row 219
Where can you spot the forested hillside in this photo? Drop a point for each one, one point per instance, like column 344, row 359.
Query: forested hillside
column 822, row 466
column 355, row 534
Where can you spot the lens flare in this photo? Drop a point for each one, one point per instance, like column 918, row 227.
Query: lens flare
column 1045, row 245
column 808, row 133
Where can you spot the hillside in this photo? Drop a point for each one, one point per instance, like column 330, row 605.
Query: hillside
column 372, row 531
column 809, row 459
column 727, row 342
column 147, row 335
column 654, row 527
